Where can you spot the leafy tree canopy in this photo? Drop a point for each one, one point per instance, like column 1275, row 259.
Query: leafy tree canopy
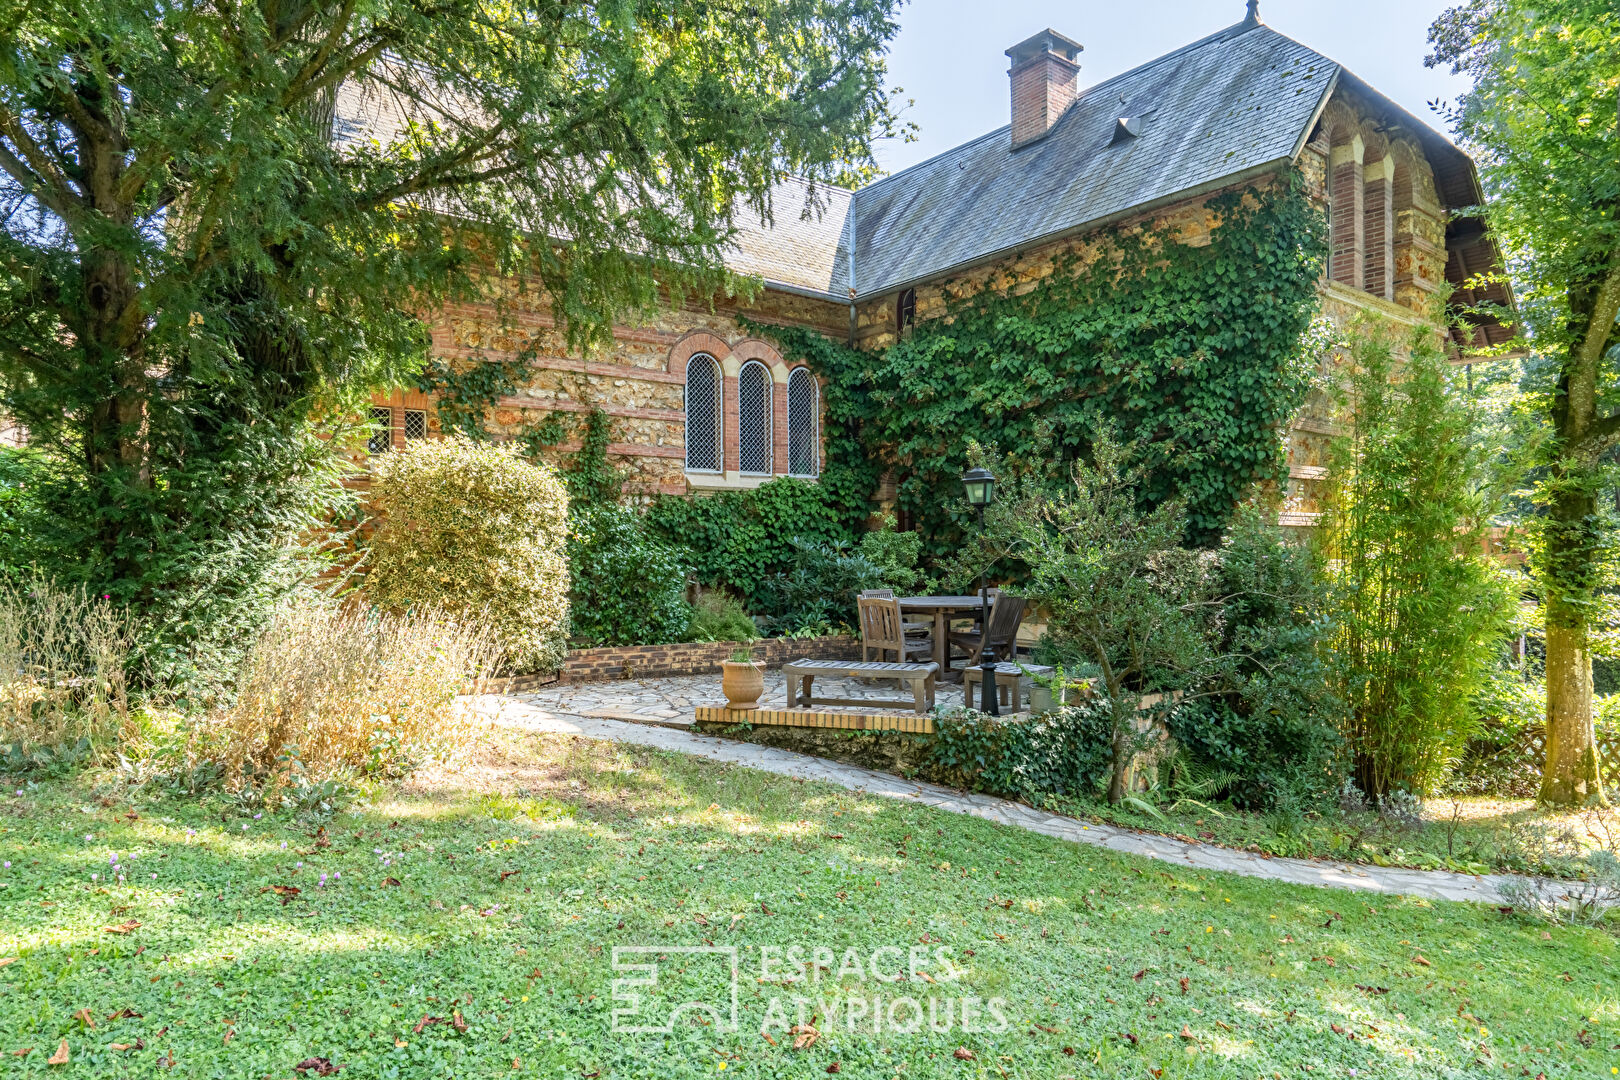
column 222, row 220
column 1542, row 119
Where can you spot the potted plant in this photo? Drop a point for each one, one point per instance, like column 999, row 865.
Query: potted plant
column 742, row 678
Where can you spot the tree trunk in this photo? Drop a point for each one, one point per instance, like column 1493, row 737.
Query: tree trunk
column 1571, row 776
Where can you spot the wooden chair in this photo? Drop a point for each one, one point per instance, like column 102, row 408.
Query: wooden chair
column 882, row 632
column 915, row 625
column 1006, row 614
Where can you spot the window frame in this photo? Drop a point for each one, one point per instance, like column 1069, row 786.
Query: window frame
column 803, row 374
column 380, row 430
column 768, row 420
column 718, row 418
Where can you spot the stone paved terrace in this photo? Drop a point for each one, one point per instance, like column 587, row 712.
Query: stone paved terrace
column 672, row 702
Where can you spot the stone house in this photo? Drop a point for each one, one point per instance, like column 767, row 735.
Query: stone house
column 698, row 404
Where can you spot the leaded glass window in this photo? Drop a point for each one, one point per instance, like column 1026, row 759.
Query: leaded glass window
column 703, row 414
column 754, row 418
column 804, row 436
column 415, row 424
column 382, row 431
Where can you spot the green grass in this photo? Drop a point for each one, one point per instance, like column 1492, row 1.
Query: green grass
column 1473, row 835
column 615, row 846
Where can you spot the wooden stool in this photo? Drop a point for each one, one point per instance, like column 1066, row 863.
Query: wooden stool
column 1013, row 682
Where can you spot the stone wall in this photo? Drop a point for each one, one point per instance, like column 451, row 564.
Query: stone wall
column 638, row 379
column 697, row 658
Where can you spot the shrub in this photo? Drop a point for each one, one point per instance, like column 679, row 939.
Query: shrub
column 895, row 554
column 1420, row 608
column 629, row 587
column 738, row 539
column 719, row 617
column 474, row 530
column 1065, row 752
column 1267, row 717
column 328, row 692
column 63, row 658
column 818, row 590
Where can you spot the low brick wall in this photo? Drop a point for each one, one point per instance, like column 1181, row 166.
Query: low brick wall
column 697, row 657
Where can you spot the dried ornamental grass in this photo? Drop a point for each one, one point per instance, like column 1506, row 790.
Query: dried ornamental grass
column 63, row 653
column 350, row 690
column 473, row 528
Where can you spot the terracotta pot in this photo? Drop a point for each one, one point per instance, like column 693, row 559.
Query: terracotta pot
column 742, row 683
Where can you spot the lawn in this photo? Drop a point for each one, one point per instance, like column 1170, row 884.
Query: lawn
column 1472, row 834
column 492, row 898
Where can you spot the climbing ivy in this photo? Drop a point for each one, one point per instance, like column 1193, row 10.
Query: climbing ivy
column 1190, row 350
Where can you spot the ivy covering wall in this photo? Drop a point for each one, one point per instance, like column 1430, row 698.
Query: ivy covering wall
column 1190, row 350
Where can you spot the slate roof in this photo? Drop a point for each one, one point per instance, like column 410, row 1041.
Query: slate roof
column 1240, row 98
column 805, row 247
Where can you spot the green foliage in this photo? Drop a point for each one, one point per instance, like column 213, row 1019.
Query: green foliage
column 719, row 617
column 1118, row 588
column 1190, row 351
column 473, row 529
column 1266, row 720
column 1421, row 611
column 895, row 554
column 740, row 539
column 193, row 267
column 1541, row 117
column 818, row 589
column 1065, row 752
column 629, row 588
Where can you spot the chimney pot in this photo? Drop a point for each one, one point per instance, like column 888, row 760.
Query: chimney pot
column 1044, row 77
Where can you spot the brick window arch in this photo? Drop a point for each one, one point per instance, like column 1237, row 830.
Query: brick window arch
column 804, row 436
column 703, row 430
column 754, row 447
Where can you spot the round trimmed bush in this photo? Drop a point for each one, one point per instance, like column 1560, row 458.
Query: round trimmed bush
column 473, row 528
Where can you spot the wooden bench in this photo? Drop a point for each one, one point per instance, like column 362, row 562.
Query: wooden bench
column 801, row 676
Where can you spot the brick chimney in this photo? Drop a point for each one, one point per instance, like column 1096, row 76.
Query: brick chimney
column 1044, row 84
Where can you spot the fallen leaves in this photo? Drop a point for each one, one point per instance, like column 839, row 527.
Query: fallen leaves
column 1374, row 990
column 805, row 1036
column 129, row 926
column 83, row 1016
column 1417, row 958
column 391, row 881
column 123, row 1014
column 962, row 1053
column 4, row 960
column 138, row 1044
column 424, row 1022
column 61, row 1055
column 1186, row 984
column 318, row 1065
column 509, row 873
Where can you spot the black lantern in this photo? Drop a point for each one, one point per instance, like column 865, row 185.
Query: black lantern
column 980, row 485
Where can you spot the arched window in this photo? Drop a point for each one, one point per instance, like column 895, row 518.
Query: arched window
column 754, row 418
column 804, row 419
column 905, row 312
column 702, row 414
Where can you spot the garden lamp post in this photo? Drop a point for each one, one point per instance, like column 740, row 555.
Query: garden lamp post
column 980, row 486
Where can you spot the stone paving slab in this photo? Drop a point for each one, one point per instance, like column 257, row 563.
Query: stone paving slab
column 523, row 712
column 673, row 701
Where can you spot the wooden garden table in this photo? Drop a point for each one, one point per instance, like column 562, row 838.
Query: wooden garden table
column 943, row 609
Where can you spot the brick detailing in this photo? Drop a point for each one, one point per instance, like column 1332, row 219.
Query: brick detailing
column 909, row 723
column 1379, row 230
column 1349, row 224
column 697, row 657
column 1043, row 88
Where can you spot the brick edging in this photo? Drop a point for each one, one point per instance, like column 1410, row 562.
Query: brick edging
column 697, row 657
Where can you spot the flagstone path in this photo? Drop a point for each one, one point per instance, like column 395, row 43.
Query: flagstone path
column 658, row 713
